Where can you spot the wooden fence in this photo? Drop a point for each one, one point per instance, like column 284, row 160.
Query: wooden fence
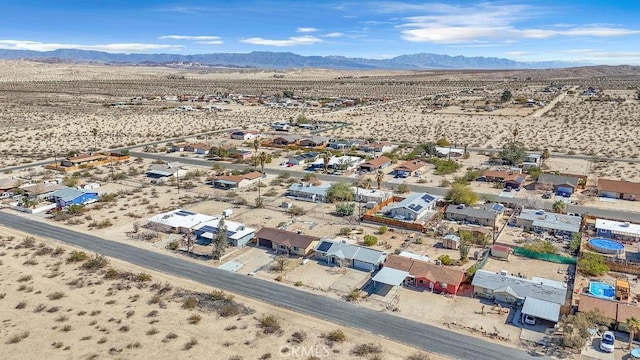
column 370, row 216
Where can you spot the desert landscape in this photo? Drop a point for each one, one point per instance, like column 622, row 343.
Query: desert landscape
column 90, row 307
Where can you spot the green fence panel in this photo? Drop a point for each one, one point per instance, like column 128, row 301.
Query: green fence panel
column 554, row 258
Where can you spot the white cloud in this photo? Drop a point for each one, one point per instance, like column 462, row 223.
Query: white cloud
column 111, row 48
column 189, row 37
column 212, row 42
column 448, row 24
column 292, row 41
column 518, row 53
column 306, row 29
column 334, row 35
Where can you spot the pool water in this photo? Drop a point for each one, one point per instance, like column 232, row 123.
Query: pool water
column 606, row 246
column 602, row 290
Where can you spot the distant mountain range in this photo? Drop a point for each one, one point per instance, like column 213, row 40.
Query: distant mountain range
column 284, row 60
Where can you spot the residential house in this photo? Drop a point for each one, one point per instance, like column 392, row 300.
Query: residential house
column 408, row 167
column 343, row 144
column 9, row 184
column 510, row 178
column 485, row 215
column 539, row 297
column 423, row 274
column 531, row 161
column 41, row 190
column 178, row 147
column 286, row 140
column 377, row 147
column 241, row 181
column 616, row 311
column 242, row 154
column 560, row 184
column 500, row 251
column 540, row 221
column 337, row 163
column 355, row 256
column 198, row 148
column 178, row 221
column 314, row 141
column 308, row 192
column 164, row 171
column 69, row 196
column 280, row 126
column 451, row 241
column 622, row 231
column 304, row 158
column 618, row 189
column 370, row 195
column 288, row 242
column 446, row 152
column 413, row 207
column 238, row 234
column 244, row 135
column 375, row 164
column 83, row 160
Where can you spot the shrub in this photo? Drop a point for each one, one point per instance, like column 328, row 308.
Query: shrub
column 95, row 262
column 335, row 336
column 189, row 303
column 298, row 337
column 297, row 210
column 592, row 264
column 445, row 259
column 541, row 247
column 366, row 349
column 345, row 231
column 55, row 296
column 77, row 256
column 370, row 240
column 173, row 245
column 194, row 319
column 298, row 283
column 418, row 356
column 269, row 324
column 191, row 343
column 382, row 230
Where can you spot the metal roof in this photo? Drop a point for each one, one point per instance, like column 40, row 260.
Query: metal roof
column 541, row 309
column 390, row 276
column 67, row 194
column 310, row 189
column 415, row 203
column 352, row 252
column 617, row 227
column 485, row 211
column 522, row 288
column 557, row 180
column 553, row 221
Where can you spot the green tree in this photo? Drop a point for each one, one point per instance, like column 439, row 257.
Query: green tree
column 576, row 241
column 70, row 181
column 535, row 172
column 220, row 241
column 513, row 153
column 302, row 119
column 445, row 259
column 461, row 194
column 633, row 325
column 443, row 142
column 506, row 96
column 402, row 188
column 326, row 157
column 559, row 207
column 370, row 240
column 340, row 191
column 464, row 252
column 256, row 146
column 345, row 208
column 592, row 264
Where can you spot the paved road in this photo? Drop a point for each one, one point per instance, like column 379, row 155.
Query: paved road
column 546, row 204
column 386, row 325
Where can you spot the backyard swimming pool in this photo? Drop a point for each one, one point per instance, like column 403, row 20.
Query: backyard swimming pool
column 606, row 246
column 602, row 290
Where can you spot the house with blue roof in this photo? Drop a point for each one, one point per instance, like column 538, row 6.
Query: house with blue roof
column 69, row 196
column 412, row 208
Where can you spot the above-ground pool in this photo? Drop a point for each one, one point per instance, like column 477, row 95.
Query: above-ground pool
column 602, row 290
column 606, row 246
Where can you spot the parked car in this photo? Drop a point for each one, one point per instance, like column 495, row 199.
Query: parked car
column 607, row 341
column 546, row 195
column 507, row 189
column 530, row 320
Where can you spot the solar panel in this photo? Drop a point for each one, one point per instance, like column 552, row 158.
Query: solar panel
column 324, row 246
column 415, row 207
column 497, row 207
column 427, row 198
column 184, row 213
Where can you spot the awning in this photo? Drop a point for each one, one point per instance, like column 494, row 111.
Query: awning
column 541, row 309
column 226, row 182
column 390, row 276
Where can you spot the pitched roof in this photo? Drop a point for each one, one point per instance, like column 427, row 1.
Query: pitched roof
column 286, row 238
column 547, row 220
column 415, row 203
column 422, row 269
column 351, row 252
column 8, row 183
column 486, row 211
column 620, row 186
column 412, row 165
column 67, row 194
column 522, row 287
column 379, row 161
column 556, row 180
column 505, row 176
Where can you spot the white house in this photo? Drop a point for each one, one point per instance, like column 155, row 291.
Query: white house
column 413, row 208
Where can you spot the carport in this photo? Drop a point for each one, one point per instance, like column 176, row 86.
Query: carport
column 389, row 276
column 541, row 309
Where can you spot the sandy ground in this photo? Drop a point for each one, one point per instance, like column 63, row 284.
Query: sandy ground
column 83, row 314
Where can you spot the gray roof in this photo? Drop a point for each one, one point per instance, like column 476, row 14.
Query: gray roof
column 521, row 288
column 390, row 276
column 164, row 169
column 415, row 203
column 312, row 190
column 552, row 221
column 557, row 180
column 485, row 211
column 541, row 309
column 67, row 194
column 353, row 252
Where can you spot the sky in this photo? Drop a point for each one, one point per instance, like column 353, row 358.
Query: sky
column 597, row 32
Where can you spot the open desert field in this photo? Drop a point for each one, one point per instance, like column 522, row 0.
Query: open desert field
column 49, row 110
column 96, row 308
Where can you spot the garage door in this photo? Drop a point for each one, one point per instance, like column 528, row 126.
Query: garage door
column 362, row 265
column 265, row 243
